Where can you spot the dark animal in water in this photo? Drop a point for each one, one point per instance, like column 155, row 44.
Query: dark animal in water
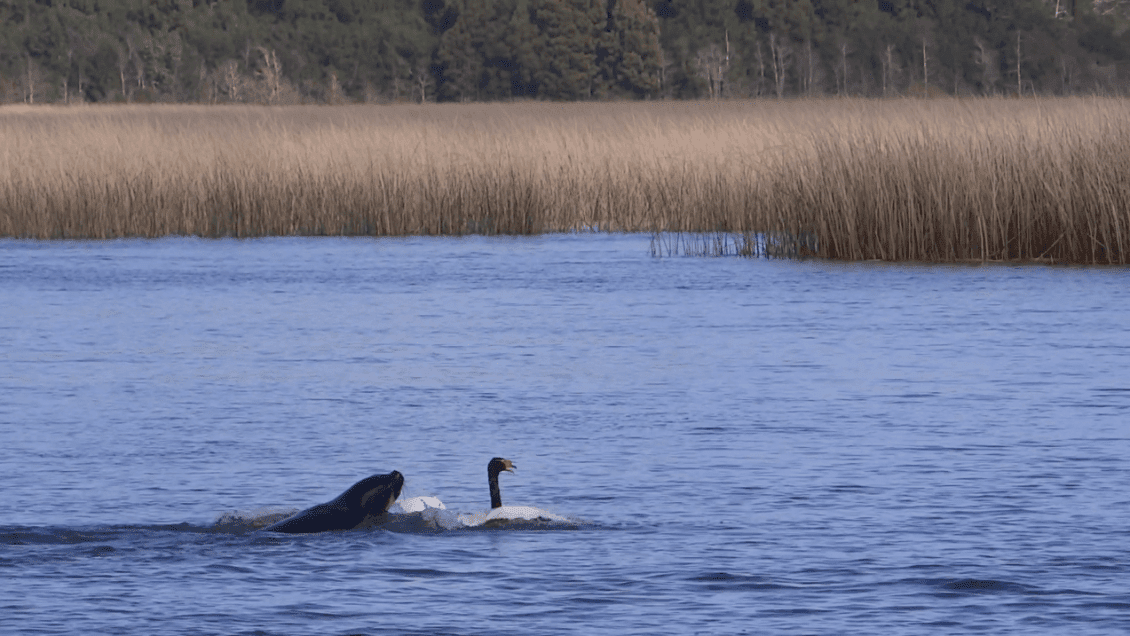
column 365, row 504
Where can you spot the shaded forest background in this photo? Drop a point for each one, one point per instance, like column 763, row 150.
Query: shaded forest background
column 335, row 51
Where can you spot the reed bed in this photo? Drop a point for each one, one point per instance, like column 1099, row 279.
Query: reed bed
column 921, row 180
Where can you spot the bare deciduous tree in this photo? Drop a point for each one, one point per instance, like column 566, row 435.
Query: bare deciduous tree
column 67, row 75
column 712, row 64
column 334, row 94
column 272, row 74
column 1019, row 83
column 134, row 58
column 760, row 57
column 231, row 80
column 782, row 57
column 207, row 85
column 422, row 76
column 926, row 38
column 844, row 49
column 1068, row 67
column 176, row 54
column 986, row 58
column 123, row 64
column 889, row 69
column 33, row 81
column 812, row 73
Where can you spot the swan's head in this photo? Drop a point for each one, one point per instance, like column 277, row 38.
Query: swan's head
column 497, row 465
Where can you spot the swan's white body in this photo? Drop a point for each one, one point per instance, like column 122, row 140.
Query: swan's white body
column 510, row 513
column 417, row 504
column 450, row 521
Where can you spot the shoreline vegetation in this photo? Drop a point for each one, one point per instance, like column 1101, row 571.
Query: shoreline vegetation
column 938, row 180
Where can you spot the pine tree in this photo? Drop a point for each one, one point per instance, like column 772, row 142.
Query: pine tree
column 520, row 42
column 569, row 32
column 460, row 52
column 635, row 54
column 486, row 54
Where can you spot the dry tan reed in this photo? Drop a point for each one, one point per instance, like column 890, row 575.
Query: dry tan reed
column 925, row 180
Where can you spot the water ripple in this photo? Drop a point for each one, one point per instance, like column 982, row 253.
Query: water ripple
column 754, row 447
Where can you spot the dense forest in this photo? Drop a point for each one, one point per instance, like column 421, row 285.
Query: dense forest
column 334, row 51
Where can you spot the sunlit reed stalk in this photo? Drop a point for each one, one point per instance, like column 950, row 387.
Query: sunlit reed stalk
column 921, row 180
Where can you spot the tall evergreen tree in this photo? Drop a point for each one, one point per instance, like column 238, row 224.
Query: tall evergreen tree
column 460, row 54
column 487, row 51
column 633, row 58
column 569, row 34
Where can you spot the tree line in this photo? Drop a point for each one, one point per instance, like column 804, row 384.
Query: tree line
column 335, row 51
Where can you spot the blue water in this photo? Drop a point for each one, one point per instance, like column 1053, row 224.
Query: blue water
column 748, row 446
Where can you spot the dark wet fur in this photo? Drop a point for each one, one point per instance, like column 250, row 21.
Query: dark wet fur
column 347, row 512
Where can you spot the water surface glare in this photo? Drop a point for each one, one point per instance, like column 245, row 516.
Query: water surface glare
column 762, row 447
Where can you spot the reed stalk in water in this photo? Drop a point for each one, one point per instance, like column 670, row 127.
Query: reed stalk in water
column 924, row 180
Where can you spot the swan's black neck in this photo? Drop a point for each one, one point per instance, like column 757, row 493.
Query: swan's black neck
column 496, row 465
column 495, row 494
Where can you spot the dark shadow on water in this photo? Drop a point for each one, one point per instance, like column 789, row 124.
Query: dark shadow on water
column 980, row 586
column 727, row 582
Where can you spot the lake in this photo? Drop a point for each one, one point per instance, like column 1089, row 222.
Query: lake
column 742, row 446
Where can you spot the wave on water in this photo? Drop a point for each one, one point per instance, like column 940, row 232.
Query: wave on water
column 720, row 581
column 26, row 535
column 424, row 515
column 240, row 521
column 731, row 582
